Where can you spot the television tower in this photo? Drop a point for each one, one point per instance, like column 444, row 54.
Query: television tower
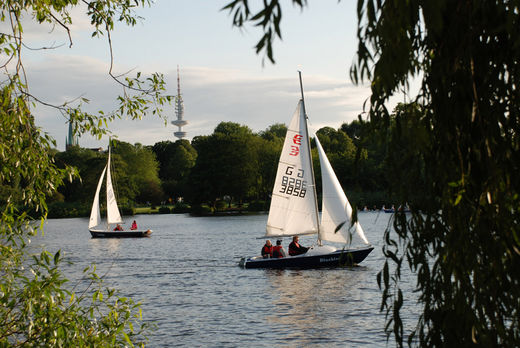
column 179, row 110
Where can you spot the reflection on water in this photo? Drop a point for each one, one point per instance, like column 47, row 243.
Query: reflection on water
column 187, row 279
column 317, row 304
column 100, row 246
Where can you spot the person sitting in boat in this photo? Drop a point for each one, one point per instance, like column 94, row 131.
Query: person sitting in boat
column 118, row 228
column 278, row 250
column 295, row 248
column 134, row 226
column 267, row 250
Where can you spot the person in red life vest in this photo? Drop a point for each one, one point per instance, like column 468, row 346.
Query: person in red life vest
column 118, row 228
column 295, row 248
column 134, row 226
column 267, row 250
column 278, row 250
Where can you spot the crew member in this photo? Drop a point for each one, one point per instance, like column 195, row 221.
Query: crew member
column 267, row 250
column 278, row 250
column 295, row 248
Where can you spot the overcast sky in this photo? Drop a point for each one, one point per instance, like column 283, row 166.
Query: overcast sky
column 222, row 79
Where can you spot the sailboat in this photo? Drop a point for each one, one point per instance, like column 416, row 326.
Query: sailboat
column 113, row 215
column 294, row 206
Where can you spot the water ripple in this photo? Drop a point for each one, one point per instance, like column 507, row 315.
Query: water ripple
column 187, row 279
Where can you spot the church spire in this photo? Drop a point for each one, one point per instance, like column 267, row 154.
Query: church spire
column 71, row 139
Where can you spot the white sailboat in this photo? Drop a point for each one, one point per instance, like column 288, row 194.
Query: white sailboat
column 294, row 206
column 113, row 215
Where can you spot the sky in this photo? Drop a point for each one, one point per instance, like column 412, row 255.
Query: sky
column 222, row 78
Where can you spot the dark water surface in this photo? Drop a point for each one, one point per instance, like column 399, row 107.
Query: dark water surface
column 187, row 279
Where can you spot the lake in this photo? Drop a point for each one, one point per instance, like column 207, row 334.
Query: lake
column 187, row 279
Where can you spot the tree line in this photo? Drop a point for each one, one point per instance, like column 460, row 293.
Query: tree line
column 233, row 166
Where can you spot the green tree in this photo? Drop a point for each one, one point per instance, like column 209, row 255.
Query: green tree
column 369, row 164
column 36, row 306
column 341, row 152
column 269, row 149
column 354, row 130
column 227, row 164
column 232, row 129
column 274, row 132
column 89, row 165
column 139, row 164
column 175, row 162
column 463, row 245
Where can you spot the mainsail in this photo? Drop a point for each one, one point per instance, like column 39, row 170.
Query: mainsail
column 335, row 209
column 95, row 214
column 293, row 203
column 113, row 215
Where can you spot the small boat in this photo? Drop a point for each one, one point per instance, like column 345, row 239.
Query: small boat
column 113, row 215
column 392, row 210
column 294, row 206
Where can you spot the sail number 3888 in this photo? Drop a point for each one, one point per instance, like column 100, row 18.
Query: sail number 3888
column 293, row 186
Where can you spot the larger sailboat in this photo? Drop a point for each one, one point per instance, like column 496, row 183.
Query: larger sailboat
column 113, row 215
column 294, row 206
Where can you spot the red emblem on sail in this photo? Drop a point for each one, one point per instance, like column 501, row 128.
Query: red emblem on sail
column 295, row 150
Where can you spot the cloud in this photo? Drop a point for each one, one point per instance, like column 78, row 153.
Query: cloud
column 223, row 83
column 210, row 96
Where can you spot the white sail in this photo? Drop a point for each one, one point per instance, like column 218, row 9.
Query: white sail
column 113, row 215
column 95, row 214
column 336, row 209
column 293, row 203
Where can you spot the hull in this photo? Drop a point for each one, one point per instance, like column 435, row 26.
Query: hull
column 120, row 234
column 337, row 258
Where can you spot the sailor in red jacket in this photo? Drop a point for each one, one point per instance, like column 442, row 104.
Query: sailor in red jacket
column 267, row 250
column 295, row 248
column 278, row 250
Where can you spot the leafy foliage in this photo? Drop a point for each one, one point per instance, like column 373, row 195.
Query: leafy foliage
column 88, row 164
column 175, row 162
column 141, row 168
column 226, row 164
column 268, row 17
column 459, row 146
column 37, row 307
column 175, row 158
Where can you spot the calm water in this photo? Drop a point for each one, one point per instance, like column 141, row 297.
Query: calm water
column 187, row 279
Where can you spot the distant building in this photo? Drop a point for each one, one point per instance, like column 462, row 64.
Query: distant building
column 179, row 110
column 71, row 139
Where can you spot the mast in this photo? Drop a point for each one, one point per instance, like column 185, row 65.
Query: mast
column 108, row 173
column 313, row 184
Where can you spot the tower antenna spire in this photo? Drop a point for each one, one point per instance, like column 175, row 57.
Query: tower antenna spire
column 179, row 110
